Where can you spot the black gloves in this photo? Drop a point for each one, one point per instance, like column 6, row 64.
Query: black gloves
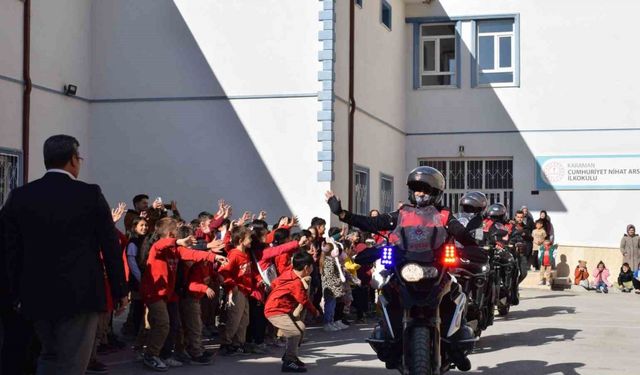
column 335, row 205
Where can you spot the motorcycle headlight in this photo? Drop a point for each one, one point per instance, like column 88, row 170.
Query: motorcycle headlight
column 413, row 272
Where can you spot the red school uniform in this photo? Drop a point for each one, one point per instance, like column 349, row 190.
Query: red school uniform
column 237, row 272
column 198, row 277
column 159, row 278
column 265, row 258
column 288, row 292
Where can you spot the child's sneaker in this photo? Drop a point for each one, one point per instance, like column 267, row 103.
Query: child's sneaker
column 172, row 362
column 155, row 363
column 292, row 366
column 541, row 282
column 330, row 328
column 183, row 357
column 228, row 351
column 340, row 325
column 203, row 360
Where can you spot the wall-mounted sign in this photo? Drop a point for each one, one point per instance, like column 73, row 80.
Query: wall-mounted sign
column 584, row 172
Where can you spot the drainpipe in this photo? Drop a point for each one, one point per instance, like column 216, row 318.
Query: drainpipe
column 26, row 97
column 352, row 100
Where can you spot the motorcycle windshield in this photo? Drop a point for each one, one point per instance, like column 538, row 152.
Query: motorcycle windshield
column 420, row 232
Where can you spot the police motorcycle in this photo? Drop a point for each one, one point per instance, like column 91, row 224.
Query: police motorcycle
column 474, row 272
column 423, row 330
column 501, row 257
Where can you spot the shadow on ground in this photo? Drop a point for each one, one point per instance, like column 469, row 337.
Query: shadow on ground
column 548, row 296
column 529, row 368
column 536, row 337
column 543, row 312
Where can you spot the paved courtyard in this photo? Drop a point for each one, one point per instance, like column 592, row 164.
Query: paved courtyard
column 572, row 332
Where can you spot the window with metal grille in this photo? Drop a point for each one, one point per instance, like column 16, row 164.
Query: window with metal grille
column 494, row 177
column 361, row 190
column 9, row 174
column 386, row 193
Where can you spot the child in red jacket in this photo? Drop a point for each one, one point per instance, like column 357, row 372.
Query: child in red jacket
column 158, row 285
column 238, row 283
column 283, row 307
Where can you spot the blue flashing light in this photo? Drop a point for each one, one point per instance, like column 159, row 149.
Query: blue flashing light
column 387, row 257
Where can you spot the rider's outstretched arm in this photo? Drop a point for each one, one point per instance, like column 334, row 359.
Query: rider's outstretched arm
column 379, row 223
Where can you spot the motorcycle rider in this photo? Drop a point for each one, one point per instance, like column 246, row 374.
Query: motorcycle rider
column 497, row 232
column 426, row 186
column 472, row 206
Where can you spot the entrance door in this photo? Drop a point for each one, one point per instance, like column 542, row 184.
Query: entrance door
column 494, row 177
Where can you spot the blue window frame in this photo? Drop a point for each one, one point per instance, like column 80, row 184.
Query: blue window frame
column 385, row 13
column 502, row 68
column 358, row 3
column 496, row 52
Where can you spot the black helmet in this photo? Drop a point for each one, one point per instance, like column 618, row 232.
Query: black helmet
column 497, row 211
column 428, row 180
column 473, row 202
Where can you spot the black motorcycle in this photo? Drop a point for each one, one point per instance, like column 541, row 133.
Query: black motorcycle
column 477, row 279
column 505, row 277
column 416, row 295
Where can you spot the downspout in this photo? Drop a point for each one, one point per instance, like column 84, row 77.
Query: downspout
column 26, row 97
column 352, row 100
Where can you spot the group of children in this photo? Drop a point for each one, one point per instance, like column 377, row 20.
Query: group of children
column 239, row 278
column 628, row 279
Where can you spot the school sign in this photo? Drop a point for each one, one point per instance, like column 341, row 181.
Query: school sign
column 588, row 172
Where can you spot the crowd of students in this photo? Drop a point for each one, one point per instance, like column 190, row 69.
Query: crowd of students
column 251, row 284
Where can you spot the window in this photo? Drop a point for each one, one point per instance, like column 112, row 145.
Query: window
column 438, row 55
column 361, row 190
column 9, row 174
column 386, row 193
column 358, row 3
column 496, row 53
column 494, row 177
column 385, row 14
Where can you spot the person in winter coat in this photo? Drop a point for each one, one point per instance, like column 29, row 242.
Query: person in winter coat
column 548, row 227
column 630, row 246
column 333, row 287
column 601, row 278
column 625, row 279
column 581, row 274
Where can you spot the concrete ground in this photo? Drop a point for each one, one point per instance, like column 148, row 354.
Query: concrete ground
column 570, row 332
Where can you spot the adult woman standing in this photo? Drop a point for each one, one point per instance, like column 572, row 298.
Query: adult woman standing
column 630, row 246
column 548, row 227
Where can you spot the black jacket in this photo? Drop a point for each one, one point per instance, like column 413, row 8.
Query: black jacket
column 55, row 229
column 625, row 277
column 388, row 221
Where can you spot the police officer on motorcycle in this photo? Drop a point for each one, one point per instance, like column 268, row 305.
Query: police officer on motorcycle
column 426, row 187
column 497, row 232
column 472, row 206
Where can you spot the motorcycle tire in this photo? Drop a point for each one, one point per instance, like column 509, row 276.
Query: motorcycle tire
column 420, row 352
column 503, row 310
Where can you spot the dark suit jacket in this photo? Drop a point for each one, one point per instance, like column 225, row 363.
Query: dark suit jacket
column 55, row 229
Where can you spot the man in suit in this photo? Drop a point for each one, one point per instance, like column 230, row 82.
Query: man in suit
column 57, row 229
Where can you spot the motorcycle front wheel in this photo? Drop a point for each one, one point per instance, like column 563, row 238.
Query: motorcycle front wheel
column 420, row 352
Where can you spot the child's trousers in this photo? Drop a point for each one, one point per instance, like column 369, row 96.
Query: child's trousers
column 545, row 273
column 292, row 329
column 235, row 331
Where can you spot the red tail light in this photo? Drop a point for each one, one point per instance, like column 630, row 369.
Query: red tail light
column 450, row 255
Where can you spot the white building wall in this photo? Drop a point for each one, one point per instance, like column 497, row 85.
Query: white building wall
column 567, row 52
column 379, row 94
column 255, row 152
column 60, row 54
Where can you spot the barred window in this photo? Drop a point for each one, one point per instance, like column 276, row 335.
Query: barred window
column 9, row 174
